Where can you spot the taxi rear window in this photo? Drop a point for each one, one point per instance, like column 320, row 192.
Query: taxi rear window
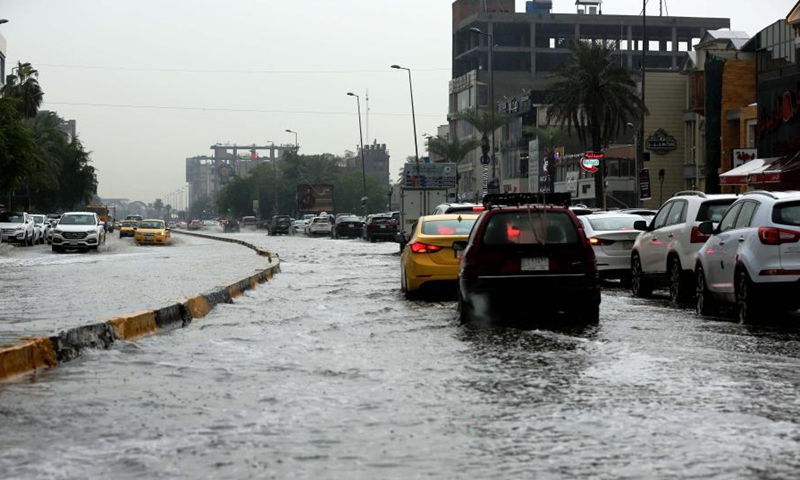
column 448, row 227
column 530, row 228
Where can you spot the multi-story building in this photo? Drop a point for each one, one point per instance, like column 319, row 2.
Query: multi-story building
column 526, row 49
column 376, row 157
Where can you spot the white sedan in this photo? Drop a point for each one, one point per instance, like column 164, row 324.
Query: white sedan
column 318, row 226
column 612, row 236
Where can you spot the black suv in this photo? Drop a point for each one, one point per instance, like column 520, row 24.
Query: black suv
column 280, row 224
column 380, row 226
column 525, row 258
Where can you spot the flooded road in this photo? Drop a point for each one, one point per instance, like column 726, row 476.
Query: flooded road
column 328, row 372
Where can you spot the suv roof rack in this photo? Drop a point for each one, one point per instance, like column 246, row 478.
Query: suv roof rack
column 762, row 192
column 687, row 193
column 492, row 200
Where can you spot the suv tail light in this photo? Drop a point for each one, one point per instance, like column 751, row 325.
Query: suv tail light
column 697, row 236
column 419, row 247
column 777, row 236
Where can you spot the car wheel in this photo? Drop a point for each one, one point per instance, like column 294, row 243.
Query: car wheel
column 56, row 249
column 703, row 301
column 588, row 314
column 679, row 291
column 640, row 287
column 371, row 239
column 746, row 301
column 403, row 280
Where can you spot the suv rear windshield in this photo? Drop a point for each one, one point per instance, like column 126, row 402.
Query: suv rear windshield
column 787, row 214
column 448, row 227
column 712, row 211
column 530, row 228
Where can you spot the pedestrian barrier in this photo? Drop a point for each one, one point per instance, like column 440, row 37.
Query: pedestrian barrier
column 46, row 352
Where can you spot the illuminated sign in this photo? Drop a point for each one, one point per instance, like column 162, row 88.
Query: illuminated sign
column 591, row 161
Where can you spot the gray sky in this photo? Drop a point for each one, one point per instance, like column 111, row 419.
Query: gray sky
column 293, row 61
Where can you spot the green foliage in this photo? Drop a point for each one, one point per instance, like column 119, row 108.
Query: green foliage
column 19, row 154
column 24, row 86
column 483, row 120
column 451, row 150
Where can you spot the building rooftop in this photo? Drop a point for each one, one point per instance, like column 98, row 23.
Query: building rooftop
column 735, row 39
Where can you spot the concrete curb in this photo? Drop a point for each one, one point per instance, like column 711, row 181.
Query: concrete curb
column 259, row 251
column 47, row 352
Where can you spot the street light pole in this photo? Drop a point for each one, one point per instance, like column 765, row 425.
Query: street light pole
column 413, row 116
column 296, row 146
column 492, row 104
column 640, row 146
column 361, row 139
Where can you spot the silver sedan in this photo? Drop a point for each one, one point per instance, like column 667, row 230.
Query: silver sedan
column 612, row 236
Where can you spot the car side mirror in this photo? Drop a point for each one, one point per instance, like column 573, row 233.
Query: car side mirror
column 460, row 245
column 707, row 228
column 641, row 225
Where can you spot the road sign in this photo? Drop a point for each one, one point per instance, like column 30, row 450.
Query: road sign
column 429, row 175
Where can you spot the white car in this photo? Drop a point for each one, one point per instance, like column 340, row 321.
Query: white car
column 79, row 230
column 41, row 226
column 612, row 236
column 17, row 227
column 318, row 226
column 664, row 254
column 752, row 258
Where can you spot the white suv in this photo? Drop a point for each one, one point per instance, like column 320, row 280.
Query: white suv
column 752, row 257
column 81, row 230
column 664, row 253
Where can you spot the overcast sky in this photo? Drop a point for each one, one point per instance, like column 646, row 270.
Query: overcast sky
column 289, row 62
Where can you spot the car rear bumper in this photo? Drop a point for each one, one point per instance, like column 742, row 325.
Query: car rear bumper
column 349, row 232
column 382, row 233
column 613, row 265
column 533, row 292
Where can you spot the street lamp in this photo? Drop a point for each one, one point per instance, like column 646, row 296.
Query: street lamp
column 361, row 138
column 413, row 116
column 296, row 147
column 3, row 20
column 491, row 89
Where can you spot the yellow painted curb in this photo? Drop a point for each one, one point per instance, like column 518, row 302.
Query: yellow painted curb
column 198, row 306
column 134, row 325
column 234, row 290
column 19, row 359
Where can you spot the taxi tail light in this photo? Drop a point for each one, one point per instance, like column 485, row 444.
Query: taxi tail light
column 697, row 236
column 419, row 247
column 777, row 236
column 479, row 208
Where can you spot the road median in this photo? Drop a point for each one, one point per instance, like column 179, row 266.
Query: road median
column 32, row 354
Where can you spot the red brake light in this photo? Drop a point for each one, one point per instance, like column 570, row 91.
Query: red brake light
column 419, row 247
column 478, row 208
column 600, row 241
column 697, row 236
column 777, row 236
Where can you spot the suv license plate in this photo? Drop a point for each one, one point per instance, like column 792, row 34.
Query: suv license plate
column 536, row 264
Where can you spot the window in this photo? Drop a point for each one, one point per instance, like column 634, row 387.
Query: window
column 661, row 216
column 746, row 215
column 729, row 220
column 678, row 213
column 530, row 228
column 713, row 211
column 787, row 214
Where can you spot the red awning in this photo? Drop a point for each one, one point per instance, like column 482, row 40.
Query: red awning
column 760, row 171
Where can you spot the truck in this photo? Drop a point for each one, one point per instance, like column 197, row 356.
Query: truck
column 414, row 203
column 106, row 215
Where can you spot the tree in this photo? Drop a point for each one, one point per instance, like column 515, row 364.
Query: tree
column 595, row 97
column 25, row 87
column 452, row 150
column 19, row 154
column 158, row 205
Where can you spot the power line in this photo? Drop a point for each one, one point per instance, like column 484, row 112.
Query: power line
column 190, row 70
column 223, row 109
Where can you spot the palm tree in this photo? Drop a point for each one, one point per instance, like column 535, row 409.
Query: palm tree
column 594, row 96
column 452, row 150
column 158, row 205
column 25, row 87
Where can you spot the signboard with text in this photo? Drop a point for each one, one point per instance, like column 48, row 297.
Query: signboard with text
column 429, row 175
column 315, row 198
column 743, row 155
column 644, row 184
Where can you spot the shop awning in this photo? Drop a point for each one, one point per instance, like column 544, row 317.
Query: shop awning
column 759, row 170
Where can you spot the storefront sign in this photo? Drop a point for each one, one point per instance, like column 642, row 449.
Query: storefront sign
column 644, row 184
column 591, row 161
column 572, row 183
column 784, row 107
column 533, row 166
column 661, row 142
column 743, row 155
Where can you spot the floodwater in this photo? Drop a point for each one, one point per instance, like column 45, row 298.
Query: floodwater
column 328, row 372
column 43, row 292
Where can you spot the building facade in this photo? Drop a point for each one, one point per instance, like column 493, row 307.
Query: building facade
column 376, row 158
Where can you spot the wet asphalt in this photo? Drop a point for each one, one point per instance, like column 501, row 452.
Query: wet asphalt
column 329, row 372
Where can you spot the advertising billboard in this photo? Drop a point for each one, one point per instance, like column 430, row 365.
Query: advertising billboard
column 315, row 198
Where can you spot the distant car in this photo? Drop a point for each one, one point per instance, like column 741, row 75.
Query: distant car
column 380, row 227
column 526, row 258
column 249, row 222
column 428, row 259
column 318, row 226
column 17, row 227
column 128, row 228
column 280, row 225
column 195, row 225
column 644, row 212
column 298, row 226
column 78, row 230
column 138, row 218
column 153, row 231
column 41, row 226
column 230, row 225
column 612, row 235
column 348, row 226
column 210, row 223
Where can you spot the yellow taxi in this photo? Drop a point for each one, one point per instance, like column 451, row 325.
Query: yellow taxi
column 128, row 228
column 151, row 231
column 428, row 259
